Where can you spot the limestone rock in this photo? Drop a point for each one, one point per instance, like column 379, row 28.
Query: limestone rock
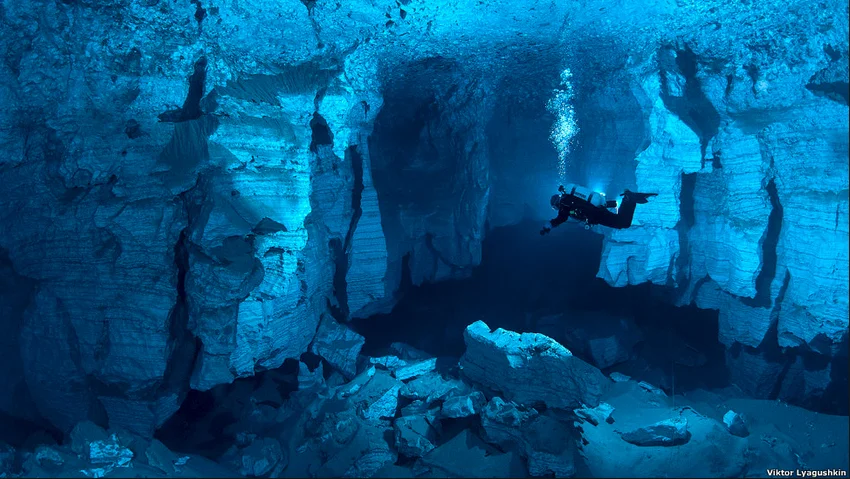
column 734, row 422
column 652, row 389
column 458, row 406
column 431, row 387
column 420, row 408
column 415, row 369
column 338, row 345
column 84, row 434
column 529, row 368
column 542, row 440
column 414, row 435
column 390, row 363
column 310, row 380
column 502, row 422
column 161, row 458
column 599, row 414
column 670, row 432
column 466, row 455
column 259, row 458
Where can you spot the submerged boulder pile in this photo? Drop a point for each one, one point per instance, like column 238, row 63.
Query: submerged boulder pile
column 407, row 414
column 92, row 452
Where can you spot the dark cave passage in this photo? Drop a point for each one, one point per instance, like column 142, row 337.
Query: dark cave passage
column 523, row 278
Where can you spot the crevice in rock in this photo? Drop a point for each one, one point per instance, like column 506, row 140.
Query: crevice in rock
column 772, row 335
column 200, row 11
column 769, row 242
column 693, row 108
column 191, row 109
column 352, row 156
column 183, row 345
column 837, row 91
column 322, row 134
column 686, row 222
column 341, row 250
column 309, row 4
column 753, row 73
column 340, row 312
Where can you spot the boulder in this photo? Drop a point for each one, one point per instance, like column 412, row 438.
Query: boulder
column 735, row 424
column 433, row 386
column 670, row 432
column 338, row 345
column 414, row 435
column 652, row 389
column 162, row 458
column 541, row 439
column 529, row 368
column 310, row 380
column 48, row 457
column 466, row 455
column 502, row 422
column 418, row 407
column 415, row 369
column 599, row 414
column 260, row 457
column 458, row 406
column 390, row 363
column 346, row 433
column 83, row 434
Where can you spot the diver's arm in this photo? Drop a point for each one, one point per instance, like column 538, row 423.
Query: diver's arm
column 563, row 216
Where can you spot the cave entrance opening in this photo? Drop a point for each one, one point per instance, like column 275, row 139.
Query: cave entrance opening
column 526, row 283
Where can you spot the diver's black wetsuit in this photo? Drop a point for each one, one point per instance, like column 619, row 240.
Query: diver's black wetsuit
column 590, row 214
column 570, row 206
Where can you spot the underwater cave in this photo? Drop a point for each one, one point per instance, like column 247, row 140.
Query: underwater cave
column 316, row 239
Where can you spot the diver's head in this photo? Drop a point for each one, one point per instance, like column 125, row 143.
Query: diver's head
column 554, row 201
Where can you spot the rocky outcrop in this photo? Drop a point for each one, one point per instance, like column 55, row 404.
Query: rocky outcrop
column 529, row 368
column 736, row 140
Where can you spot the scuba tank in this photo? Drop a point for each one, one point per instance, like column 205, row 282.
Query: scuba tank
column 586, row 194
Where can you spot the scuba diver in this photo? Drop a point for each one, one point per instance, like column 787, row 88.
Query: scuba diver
column 592, row 208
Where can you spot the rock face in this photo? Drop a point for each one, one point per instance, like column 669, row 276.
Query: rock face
column 529, row 368
column 748, row 148
column 186, row 190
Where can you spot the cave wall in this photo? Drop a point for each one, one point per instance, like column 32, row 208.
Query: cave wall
column 766, row 200
column 749, row 154
column 188, row 188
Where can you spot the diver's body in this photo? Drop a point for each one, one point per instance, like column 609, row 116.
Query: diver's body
column 580, row 204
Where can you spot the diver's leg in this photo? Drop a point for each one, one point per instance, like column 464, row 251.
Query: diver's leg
column 622, row 219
